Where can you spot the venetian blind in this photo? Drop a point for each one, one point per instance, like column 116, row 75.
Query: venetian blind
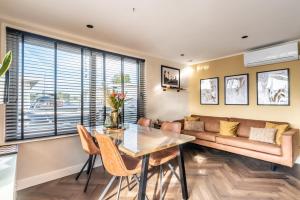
column 53, row 85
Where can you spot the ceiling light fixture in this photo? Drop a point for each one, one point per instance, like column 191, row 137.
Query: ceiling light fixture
column 182, row 54
column 89, row 26
column 244, row 36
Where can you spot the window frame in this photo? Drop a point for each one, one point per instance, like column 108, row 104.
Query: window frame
column 82, row 48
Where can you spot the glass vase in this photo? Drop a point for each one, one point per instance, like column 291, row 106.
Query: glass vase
column 114, row 119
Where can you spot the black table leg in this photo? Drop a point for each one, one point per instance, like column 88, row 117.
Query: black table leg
column 143, row 179
column 184, row 190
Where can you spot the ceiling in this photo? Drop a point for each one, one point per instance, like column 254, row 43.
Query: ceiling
column 201, row 29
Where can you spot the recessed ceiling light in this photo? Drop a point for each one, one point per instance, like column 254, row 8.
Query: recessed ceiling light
column 182, row 54
column 244, row 36
column 89, row 26
column 190, row 61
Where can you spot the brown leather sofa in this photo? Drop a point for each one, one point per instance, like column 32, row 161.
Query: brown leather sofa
column 285, row 154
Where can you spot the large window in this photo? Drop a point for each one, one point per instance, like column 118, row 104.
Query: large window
column 53, row 85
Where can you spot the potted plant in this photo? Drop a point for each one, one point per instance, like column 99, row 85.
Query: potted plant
column 4, row 66
column 116, row 101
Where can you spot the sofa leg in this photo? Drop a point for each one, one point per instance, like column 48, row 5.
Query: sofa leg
column 273, row 167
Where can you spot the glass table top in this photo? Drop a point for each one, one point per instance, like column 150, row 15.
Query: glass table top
column 137, row 140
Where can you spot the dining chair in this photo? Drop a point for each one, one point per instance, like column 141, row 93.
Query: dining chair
column 165, row 156
column 118, row 165
column 90, row 147
column 144, row 122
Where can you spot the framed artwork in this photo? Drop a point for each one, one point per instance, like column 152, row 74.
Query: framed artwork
column 170, row 77
column 236, row 89
column 273, row 87
column 209, row 91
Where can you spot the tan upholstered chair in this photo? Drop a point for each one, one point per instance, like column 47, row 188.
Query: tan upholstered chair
column 118, row 165
column 163, row 157
column 89, row 146
column 144, row 122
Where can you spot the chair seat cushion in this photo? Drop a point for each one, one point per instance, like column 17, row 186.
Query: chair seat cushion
column 209, row 136
column 245, row 143
column 164, row 156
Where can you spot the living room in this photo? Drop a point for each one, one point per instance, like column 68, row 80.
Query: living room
column 222, row 69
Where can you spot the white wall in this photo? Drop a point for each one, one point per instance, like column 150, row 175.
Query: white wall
column 41, row 161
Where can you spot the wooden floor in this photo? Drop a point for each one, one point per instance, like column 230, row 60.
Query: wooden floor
column 211, row 175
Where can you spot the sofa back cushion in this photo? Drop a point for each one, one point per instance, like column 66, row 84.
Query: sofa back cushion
column 194, row 126
column 211, row 124
column 246, row 124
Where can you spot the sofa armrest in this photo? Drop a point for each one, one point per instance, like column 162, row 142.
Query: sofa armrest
column 290, row 144
column 180, row 121
column 291, row 132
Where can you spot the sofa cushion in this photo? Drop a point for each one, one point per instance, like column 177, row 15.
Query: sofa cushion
column 208, row 136
column 245, row 143
column 194, row 125
column 280, row 129
column 228, row 128
column 263, row 135
column 190, row 118
column 211, row 124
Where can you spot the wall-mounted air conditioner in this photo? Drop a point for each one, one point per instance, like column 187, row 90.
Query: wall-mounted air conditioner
column 273, row 54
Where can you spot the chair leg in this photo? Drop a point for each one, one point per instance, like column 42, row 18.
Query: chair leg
column 111, row 181
column 90, row 173
column 160, row 182
column 128, row 184
column 90, row 164
column 119, row 188
column 173, row 171
column 78, row 175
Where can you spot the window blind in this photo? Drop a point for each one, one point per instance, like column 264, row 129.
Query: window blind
column 53, row 85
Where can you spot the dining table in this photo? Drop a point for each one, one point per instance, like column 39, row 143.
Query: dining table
column 140, row 142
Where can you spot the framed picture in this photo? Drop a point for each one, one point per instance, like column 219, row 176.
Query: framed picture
column 236, row 89
column 273, row 87
column 170, row 77
column 209, row 91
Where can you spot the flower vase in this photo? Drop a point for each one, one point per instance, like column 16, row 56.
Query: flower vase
column 115, row 119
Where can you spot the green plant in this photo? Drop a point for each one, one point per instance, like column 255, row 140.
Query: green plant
column 5, row 63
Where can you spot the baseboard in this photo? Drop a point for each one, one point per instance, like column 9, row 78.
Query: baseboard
column 49, row 176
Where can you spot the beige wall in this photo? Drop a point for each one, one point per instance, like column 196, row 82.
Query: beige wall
column 42, row 157
column 232, row 66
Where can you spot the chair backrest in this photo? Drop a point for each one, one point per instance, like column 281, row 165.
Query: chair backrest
column 111, row 156
column 144, row 122
column 171, row 126
column 87, row 142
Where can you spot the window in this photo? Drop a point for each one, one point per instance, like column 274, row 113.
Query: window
column 53, row 85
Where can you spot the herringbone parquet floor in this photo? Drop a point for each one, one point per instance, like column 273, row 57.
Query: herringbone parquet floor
column 211, row 175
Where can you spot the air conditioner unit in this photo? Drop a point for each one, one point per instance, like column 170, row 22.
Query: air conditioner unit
column 273, row 54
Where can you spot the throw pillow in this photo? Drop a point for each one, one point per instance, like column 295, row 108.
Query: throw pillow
column 281, row 128
column 228, row 128
column 190, row 118
column 194, row 125
column 263, row 134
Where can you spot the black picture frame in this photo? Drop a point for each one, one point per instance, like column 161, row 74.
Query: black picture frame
column 163, row 84
column 218, row 91
column 288, row 83
column 225, row 90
